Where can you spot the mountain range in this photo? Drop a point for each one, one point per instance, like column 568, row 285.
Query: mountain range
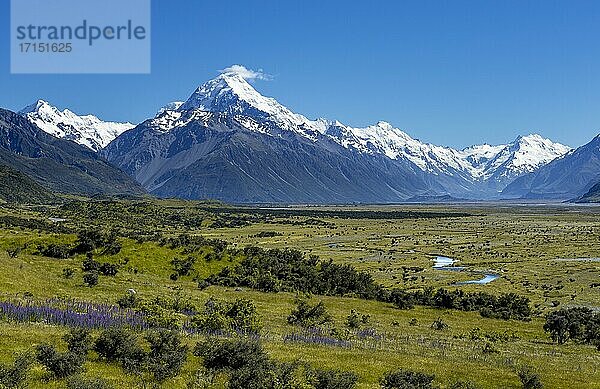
column 229, row 142
column 57, row 164
column 87, row 130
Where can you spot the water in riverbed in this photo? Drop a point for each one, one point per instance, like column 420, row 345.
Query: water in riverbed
column 445, row 263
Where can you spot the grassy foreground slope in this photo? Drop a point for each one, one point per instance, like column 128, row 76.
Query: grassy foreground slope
column 527, row 247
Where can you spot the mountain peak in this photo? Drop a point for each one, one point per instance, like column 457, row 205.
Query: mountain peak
column 230, row 92
column 37, row 106
column 86, row 130
column 213, row 94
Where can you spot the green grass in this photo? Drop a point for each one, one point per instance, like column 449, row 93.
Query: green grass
column 520, row 244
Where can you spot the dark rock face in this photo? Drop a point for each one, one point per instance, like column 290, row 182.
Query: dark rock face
column 56, row 164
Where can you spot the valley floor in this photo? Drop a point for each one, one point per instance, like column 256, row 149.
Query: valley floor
column 525, row 246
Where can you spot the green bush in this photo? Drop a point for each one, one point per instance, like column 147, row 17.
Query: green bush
column 129, row 300
column 239, row 316
column 183, row 266
column 355, row 319
column 14, row 375
column 60, row 364
column 439, row 324
column 120, row 345
column 529, row 378
column 89, row 264
column 307, row 315
column 90, row 278
column 578, row 323
column 406, row 379
column 167, row 354
column 249, row 367
column 79, row 341
column 289, row 270
column 330, row 379
column 108, row 269
column 219, row 354
column 59, row 251
column 68, row 273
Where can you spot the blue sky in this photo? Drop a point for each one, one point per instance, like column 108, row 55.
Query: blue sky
column 447, row 72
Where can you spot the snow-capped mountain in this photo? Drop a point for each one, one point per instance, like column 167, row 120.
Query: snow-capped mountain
column 565, row 178
column 229, row 104
column 231, row 93
column 172, row 106
column 525, row 155
column 57, row 164
column 87, row 130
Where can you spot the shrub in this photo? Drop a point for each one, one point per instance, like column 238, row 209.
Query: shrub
column 219, row 354
column 89, row 240
column 129, row 300
column 68, row 272
column 506, row 306
column 183, row 267
column 439, row 324
column 238, row 316
column 307, row 315
column 327, row 379
column 289, row 270
column 14, row 252
column 164, row 312
column 109, row 269
column 14, row 375
column 79, row 382
column 167, row 354
column 59, row 251
column 355, row 319
column 89, row 264
column 90, row 279
column 268, row 234
column 249, row 367
column 572, row 323
column 119, row 345
column 60, row 364
column 79, row 341
column 112, row 248
column 405, row 379
column 529, row 379
column 401, row 299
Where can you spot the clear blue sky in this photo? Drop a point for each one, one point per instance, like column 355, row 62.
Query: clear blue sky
column 448, row 72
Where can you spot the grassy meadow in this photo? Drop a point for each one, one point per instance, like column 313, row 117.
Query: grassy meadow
column 530, row 247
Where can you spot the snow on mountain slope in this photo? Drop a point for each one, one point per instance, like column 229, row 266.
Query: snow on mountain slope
column 172, row 106
column 86, row 130
column 231, row 93
column 524, row 155
column 464, row 170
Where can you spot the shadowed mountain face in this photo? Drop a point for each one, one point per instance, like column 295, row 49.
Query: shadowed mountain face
column 229, row 142
column 565, row 178
column 214, row 155
column 592, row 196
column 16, row 187
column 59, row 165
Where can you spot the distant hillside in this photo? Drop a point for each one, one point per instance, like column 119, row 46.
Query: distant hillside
column 59, row 165
column 565, row 178
column 16, row 187
column 592, row 196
